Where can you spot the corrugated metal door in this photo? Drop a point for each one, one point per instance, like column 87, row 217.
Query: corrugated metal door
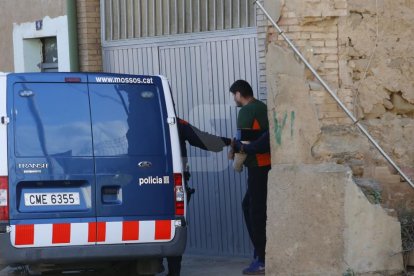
column 200, row 75
column 126, row 19
column 200, row 72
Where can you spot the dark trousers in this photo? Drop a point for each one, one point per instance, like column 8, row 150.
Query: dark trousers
column 254, row 208
column 174, row 265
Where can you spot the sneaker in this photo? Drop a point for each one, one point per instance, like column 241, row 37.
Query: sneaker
column 255, row 268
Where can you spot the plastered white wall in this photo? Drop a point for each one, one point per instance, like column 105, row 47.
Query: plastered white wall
column 26, row 39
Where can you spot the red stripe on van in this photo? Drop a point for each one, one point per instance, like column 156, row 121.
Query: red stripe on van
column 92, row 232
column 96, row 232
column 24, row 234
column 61, row 233
column 162, row 229
column 101, row 232
column 130, row 230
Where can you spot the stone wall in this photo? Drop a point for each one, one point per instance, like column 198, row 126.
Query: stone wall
column 89, row 35
column 363, row 50
column 319, row 221
column 376, row 64
column 325, row 226
column 313, row 26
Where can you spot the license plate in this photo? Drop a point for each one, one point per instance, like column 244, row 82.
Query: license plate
column 51, row 199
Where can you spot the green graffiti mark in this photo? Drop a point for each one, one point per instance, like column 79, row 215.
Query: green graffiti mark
column 279, row 126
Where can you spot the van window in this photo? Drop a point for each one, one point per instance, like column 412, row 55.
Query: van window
column 52, row 119
column 127, row 119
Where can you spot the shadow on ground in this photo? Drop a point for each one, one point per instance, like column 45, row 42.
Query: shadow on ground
column 191, row 266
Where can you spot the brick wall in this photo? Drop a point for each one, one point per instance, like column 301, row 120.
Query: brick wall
column 338, row 37
column 89, row 35
column 313, row 26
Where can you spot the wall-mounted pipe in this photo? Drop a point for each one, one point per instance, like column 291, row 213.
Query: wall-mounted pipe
column 73, row 35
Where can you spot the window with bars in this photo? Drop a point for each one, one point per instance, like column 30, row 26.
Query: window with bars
column 126, row 19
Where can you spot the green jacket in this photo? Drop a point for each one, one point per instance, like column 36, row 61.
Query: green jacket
column 254, row 116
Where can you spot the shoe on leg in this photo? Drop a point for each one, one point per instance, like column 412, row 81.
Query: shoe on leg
column 255, row 268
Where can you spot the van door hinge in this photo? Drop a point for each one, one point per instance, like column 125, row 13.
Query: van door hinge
column 171, row 120
column 5, row 120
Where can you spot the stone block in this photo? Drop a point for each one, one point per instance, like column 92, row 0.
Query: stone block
column 320, row 223
column 384, row 175
column 273, row 8
column 292, row 114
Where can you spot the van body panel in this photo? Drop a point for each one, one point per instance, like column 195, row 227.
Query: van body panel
column 92, row 160
column 175, row 139
column 3, row 127
column 133, row 191
column 50, row 148
column 112, row 252
column 71, row 232
column 135, row 132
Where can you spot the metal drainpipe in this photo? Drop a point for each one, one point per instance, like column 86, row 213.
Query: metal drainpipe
column 73, row 35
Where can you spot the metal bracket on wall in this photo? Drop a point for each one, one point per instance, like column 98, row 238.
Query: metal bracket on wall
column 334, row 96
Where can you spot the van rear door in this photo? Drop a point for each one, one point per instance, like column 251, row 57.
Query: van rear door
column 51, row 169
column 133, row 163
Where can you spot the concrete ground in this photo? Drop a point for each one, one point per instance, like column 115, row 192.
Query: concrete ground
column 191, row 266
column 207, row 265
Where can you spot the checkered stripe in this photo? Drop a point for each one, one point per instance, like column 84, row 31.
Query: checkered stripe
column 69, row 234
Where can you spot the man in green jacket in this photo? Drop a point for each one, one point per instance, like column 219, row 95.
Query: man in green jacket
column 252, row 118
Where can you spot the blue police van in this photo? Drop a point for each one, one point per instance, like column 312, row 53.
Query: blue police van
column 90, row 169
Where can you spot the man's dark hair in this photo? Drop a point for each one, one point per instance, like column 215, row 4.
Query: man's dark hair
column 243, row 87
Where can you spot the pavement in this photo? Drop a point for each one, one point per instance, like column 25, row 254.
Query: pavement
column 216, row 266
column 191, row 266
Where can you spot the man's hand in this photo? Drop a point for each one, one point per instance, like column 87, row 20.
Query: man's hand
column 226, row 141
column 237, row 146
column 231, row 152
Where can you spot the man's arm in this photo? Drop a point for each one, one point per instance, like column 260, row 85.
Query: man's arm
column 261, row 145
column 201, row 139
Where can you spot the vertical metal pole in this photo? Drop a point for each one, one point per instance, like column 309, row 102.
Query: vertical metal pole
column 111, row 17
column 147, row 17
column 139, row 18
column 132, row 18
column 334, row 96
column 118, row 14
column 73, row 35
column 214, row 16
column 126, row 19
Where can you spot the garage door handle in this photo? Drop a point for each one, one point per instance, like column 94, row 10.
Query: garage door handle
column 144, row 164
